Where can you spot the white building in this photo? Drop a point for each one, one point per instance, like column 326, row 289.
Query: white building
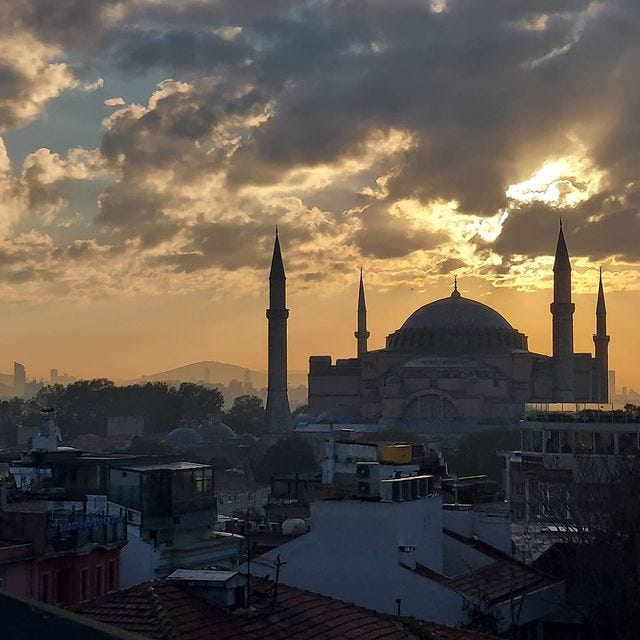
column 406, row 553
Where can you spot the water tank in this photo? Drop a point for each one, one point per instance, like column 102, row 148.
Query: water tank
column 294, row 527
column 396, row 454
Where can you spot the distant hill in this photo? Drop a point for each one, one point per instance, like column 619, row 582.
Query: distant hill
column 220, row 372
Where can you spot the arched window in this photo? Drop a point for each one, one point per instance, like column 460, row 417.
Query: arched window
column 430, row 406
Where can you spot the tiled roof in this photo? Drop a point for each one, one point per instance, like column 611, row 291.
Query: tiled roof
column 163, row 610
column 501, row 580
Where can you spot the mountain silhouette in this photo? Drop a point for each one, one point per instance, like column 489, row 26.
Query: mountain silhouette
column 218, row 372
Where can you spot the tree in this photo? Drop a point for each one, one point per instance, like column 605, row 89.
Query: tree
column 596, row 524
column 199, row 402
column 291, row 455
column 476, row 452
column 247, row 415
column 303, row 408
column 84, row 406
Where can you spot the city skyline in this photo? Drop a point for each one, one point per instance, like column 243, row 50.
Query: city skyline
column 148, row 151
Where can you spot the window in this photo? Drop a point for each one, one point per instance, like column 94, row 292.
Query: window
column 584, row 443
column 99, row 580
column 84, row 585
column 627, row 443
column 604, row 443
column 567, row 442
column 430, row 406
column 61, row 583
column 552, row 441
column 536, row 441
column 44, row 587
column 111, row 578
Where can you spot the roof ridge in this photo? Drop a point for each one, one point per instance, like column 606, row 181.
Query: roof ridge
column 168, row 629
column 496, row 553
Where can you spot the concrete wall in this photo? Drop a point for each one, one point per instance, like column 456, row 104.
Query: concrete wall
column 461, row 558
column 139, row 561
column 352, row 553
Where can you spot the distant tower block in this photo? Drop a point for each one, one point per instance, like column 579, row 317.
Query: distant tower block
column 53, row 377
column 248, row 383
column 207, row 375
column 601, row 342
column 278, row 411
column 362, row 335
column 562, row 310
column 612, row 383
column 19, row 379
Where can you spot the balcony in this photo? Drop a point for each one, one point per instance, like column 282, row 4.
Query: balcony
column 73, row 531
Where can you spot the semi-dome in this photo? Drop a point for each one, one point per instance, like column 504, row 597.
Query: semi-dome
column 456, row 325
column 184, row 437
column 217, row 431
column 339, row 415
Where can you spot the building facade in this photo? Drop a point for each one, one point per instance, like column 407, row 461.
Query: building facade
column 458, row 358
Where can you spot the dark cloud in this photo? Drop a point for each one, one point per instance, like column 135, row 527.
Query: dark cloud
column 598, row 228
column 177, row 49
column 382, row 235
column 449, row 265
column 489, row 90
column 231, row 245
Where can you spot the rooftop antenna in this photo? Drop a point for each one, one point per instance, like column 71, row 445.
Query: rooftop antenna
column 278, row 563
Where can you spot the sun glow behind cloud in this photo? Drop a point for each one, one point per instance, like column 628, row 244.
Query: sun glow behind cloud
column 561, row 182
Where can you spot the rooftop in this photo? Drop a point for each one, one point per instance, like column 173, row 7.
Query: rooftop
column 163, row 610
column 167, row 466
column 25, row 620
column 202, row 575
column 497, row 582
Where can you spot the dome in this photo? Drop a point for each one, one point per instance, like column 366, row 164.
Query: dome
column 339, row 415
column 456, row 326
column 217, row 431
column 184, row 437
column 456, row 312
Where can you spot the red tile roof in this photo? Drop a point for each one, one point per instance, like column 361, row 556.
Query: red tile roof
column 162, row 610
column 499, row 581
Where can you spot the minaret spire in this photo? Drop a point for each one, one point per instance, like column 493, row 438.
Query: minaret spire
column 562, row 310
column 601, row 342
column 278, row 411
column 362, row 334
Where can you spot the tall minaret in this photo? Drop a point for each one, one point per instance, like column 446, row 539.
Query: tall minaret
column 278, row 411
column 562, row 311
column 362, row 334
column 601, row 341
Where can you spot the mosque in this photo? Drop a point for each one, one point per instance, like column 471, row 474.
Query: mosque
column 452, row 358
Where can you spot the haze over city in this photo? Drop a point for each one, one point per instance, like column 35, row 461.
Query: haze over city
column 149, row 149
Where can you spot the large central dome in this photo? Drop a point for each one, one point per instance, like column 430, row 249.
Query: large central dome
column 456, row 312
column 456, row 326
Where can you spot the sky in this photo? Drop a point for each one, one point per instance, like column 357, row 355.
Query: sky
column 149, row 148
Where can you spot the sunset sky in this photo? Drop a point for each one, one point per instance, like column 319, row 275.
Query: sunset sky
column 148, row 148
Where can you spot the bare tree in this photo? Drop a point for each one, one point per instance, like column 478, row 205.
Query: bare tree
column 595, row 521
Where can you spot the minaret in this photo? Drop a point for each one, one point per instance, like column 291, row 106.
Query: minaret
column 278, row 411
column 562, row 311
column 601, row 341
column 362, row 334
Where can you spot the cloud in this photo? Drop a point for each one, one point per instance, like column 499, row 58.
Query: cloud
column 435, row 136
column 114, row 102
column 29, row 78
column 178, row 49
